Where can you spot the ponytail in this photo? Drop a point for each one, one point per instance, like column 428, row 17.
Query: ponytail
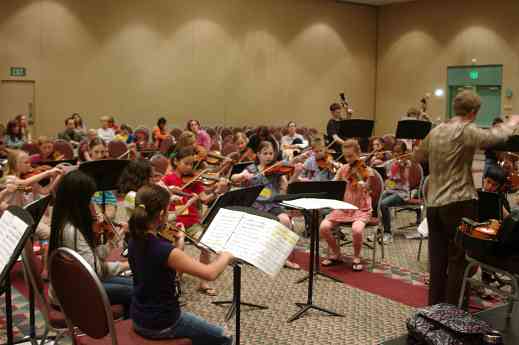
column 150, row 201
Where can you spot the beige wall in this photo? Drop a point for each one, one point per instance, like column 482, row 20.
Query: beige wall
column 227, row 61
column 418, row 40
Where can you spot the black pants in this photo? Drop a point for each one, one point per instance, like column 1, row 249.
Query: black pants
column 446, row 259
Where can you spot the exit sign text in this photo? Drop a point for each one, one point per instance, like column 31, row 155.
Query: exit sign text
column 18, row 72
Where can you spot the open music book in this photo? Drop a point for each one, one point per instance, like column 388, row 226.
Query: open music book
column 12, row 231
column 262, row 242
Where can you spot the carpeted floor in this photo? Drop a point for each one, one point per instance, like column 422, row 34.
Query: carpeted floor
column 369, row 318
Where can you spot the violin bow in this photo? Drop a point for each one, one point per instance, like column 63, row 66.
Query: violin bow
column 196, row 177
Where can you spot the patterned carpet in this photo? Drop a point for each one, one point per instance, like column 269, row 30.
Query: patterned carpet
column 369, row 319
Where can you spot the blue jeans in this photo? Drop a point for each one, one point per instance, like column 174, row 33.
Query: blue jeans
column 120, row 291
column 189, row 326
column 389, row 200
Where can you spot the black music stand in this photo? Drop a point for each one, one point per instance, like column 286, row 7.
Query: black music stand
column 54, row 163
column 490, row 206
column 322, row 190
column 240, row 200
column 239, row 167
column 412, row 129
column 332, row 190
column 356, row 128
column 5, row 274
column 236, row 199
column 105, row 172
column 511, row 145
column 244, row 197
column 36, row 209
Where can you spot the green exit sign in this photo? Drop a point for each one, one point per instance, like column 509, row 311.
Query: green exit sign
column 18, row 72
column 474, row 75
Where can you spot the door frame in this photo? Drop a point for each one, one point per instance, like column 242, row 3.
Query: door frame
column 32, row 115
column 491, row 75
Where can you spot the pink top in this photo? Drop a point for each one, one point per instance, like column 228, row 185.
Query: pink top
column 202, row 138
column 359, row 196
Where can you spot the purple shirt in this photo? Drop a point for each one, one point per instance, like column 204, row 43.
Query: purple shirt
column 155, row 298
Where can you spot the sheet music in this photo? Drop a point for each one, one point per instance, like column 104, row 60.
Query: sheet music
column 221, row 228
column 262, row 242
column 316, row 204
column 12, row 229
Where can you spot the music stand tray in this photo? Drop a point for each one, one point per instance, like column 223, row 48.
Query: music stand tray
column 412, row 129
column 356, row 128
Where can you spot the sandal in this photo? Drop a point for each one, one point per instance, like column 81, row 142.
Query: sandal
column 357, row 266
column 292, row 265
column 209, row 291
column 331, row 262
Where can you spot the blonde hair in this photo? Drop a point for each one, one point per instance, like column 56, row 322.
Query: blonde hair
column 240, row 136
column 43, row 140
column 12, row 160
column 351, row 144
column 105, row 118
column 466, row 102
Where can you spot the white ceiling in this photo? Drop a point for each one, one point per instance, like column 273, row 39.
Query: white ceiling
column 374, row 2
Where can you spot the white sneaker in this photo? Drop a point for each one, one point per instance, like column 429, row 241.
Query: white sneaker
column 388, row 238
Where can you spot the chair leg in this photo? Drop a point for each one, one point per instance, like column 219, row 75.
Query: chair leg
column 380, row 233
column 45, row 335
column 464, row 284
column 419, row 254
column 374, row 256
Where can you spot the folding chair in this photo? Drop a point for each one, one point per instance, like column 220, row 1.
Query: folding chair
column 91, row 313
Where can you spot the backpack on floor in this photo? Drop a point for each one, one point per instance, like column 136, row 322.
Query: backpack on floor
column 445, row 324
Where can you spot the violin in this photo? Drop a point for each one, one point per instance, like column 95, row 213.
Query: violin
column 104, row 230
column 247, row 155
column 328, row 164
column 359, row 172
column 278, row 170
column 35, row 171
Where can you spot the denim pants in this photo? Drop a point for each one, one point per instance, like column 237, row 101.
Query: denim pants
column 189, row 326
column 120, row 291
column 389, row 200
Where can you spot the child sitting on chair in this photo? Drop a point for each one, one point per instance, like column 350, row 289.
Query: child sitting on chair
column 356, row 174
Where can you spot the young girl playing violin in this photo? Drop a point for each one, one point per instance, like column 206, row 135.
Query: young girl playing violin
column 275, row 184
column 320, row 165
column 397, row 186
column 356, row 174
column 245, row 153
column 155, row 309
column 179, row 181
column 47, row 152
column 73, row 227
column 98, row 151
column 377, row 156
